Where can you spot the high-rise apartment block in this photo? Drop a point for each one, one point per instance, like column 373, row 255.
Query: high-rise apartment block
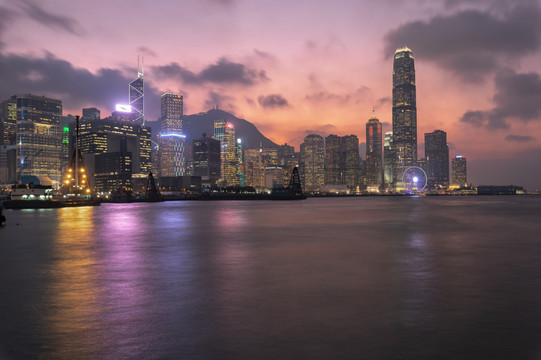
column 460, row 177
column 437, row 159
column 404, row 114
column 312, row 163
column 374, row 156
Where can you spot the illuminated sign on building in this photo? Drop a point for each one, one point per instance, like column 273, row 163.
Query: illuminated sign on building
column 123, row 108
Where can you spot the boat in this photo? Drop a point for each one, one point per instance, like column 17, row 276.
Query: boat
column 291, row 192
column 2, row 218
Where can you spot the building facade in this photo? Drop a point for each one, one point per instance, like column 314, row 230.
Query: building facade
column 404, row 114
column 206, row 160
column 113, row 171
column 171, row 153
column 39, row 137
column 312, row 163
column 388, row 157
column 8, row 121
column 224, row 131
column 437, row 159
column 459, row 169
column 374, row 156
column 105, row 136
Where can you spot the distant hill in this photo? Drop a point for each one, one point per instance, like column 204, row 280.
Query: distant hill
column 195, row 125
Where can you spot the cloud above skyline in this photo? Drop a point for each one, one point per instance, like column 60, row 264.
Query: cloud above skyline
column 471, row 43
column 223, row 71
column 46, row 18
column 272, row 101
column 517, row 97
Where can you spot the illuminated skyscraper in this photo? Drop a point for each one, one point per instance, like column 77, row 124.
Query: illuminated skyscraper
column 137, row 96
column 374, row 158
column 39, row 136
column 333, row 160
column 342, row 162
column 388, row 159
column 460, row 177
column 107, row 136
column 312, row 163
column 8, row 121
column 437, row 159
column 171, row 144
column 224, row 131
column 404, row 114
column 351, row 164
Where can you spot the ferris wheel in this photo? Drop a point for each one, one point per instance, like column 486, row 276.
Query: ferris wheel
column 414, row 179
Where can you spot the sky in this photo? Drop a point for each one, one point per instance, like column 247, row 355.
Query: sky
column 298, row 67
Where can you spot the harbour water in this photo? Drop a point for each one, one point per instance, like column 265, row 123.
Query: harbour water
column 324, row 278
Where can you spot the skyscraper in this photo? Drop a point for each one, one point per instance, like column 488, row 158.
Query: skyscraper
column 137, row 96
column 39, row 136
column 437, row 159
column 312, row 163
column 460, row 177
column 171, row 144
column 388, row 158
column 333, row 160
column 374, row 158
column 351, row 164
column 404, row 114
column 224, row 131
column 8, row 121
column 206, row 160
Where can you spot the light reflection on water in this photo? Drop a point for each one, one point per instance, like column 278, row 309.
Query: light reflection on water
column 320, row 279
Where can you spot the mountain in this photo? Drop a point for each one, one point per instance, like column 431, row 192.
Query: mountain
column 195, row 125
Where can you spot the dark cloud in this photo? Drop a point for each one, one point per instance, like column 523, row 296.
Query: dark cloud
column 7, row 18
column 143, row 50
column 518, row 97
column 518, row 138
column 383, row 101
column 222, row 72
column 475, row 118
column 272, row 101
column 220, row 100
column 469, row 41
column 49, row 19
column 324, row 96
column 76, row 87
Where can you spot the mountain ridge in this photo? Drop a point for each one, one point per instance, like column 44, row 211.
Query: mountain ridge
column 195, row 125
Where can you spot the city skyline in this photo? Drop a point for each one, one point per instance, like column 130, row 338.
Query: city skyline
column 483, row 89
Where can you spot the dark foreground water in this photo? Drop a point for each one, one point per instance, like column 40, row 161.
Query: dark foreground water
column 339, row 278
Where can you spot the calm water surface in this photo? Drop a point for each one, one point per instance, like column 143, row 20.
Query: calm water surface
column 330, row 278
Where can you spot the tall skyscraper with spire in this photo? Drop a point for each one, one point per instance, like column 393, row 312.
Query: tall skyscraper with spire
column 137, row 94
column 374, row 156
column 404, row 114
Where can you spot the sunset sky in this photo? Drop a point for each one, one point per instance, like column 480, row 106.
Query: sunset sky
column 298, row 67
